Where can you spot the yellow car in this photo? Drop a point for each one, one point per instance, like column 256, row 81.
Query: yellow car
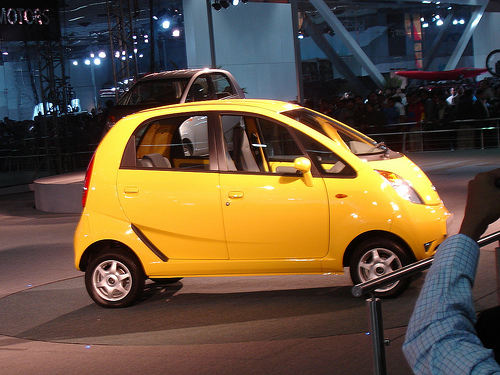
column 273, row 189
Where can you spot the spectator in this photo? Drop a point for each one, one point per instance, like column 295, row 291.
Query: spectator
column 452, row 98
column 401, row 108
column 346, row 114
column 400, row 94
column 442, row 115
column 480, row 107
column 426, row 100
column 359, row 112
column 391, row 112
column 326, row 107
column 372, row 99
column 465, row 105
column 415, row 111
column 465, row 110
column 495, row 103
column 372, row 120
column 441, row 337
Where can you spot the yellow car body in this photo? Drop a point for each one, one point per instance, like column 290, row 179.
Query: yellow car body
column 280, row 214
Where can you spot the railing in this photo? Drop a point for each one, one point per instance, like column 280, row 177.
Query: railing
column 461, row 134
column 374, row 304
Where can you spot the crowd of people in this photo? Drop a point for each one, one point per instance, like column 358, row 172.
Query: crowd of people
column 430, row 108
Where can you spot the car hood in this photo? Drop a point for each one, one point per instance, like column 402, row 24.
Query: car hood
column 408, row 170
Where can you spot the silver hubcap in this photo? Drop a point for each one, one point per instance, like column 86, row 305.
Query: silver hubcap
column 112, row 280
column 378, row 262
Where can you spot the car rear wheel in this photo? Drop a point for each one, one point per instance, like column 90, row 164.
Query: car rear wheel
column 376, row 257
column 114, row 280
column 187, row 147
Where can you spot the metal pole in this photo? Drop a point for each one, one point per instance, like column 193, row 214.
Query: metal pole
column 211, row 37
column 377, row 334
column 296, row 45
column 152, row 38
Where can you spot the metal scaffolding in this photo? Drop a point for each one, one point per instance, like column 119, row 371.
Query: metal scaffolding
column 121, row 15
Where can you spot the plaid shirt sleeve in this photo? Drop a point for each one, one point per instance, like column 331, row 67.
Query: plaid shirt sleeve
column 441, row 338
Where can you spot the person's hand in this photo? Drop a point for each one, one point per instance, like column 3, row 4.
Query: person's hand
column 483, row 204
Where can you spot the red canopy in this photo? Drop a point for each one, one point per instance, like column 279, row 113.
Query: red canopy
column 446, row 75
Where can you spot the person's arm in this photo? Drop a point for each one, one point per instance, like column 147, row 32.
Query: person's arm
column 441, row 338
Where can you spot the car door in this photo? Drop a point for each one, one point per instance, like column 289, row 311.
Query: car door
column 173, row 199
column 269, row 211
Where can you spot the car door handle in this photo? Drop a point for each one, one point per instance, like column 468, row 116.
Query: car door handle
column 235, row 194
column 131, row 190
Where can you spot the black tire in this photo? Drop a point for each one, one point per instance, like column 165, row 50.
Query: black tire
column 166, row 280
column 187, row 147
column 376, row 257
column 114, row 280
column 493, row 62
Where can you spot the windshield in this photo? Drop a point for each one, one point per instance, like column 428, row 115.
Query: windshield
column 358, row 143
column 155, row 92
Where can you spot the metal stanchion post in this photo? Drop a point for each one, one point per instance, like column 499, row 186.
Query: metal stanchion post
column 497, row 259
column 377, row 335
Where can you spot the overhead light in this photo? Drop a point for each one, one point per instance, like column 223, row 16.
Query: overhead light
column 176, row 33
column 217, row 5
column 165, row 24
column 236, row 2
column 225, row 3
column 102, row 55
column 97, row 61
column 87, row 62
column 75, row 62
column 439, row 22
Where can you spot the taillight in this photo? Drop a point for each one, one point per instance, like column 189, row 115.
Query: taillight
column 87, row 181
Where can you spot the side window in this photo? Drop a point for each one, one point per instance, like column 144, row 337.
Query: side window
column 258, row 145
column 200, row 90
column 172, row 143
column 238, row 150
column 222, row 86
column 327, row 161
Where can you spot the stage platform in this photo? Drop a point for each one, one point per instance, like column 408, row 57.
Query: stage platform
column 59, row 194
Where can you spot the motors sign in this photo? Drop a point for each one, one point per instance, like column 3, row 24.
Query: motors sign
column 29, row 20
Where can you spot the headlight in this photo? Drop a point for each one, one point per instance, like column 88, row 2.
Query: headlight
column 402, row 187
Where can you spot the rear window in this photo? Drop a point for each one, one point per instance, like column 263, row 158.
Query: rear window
column 171, row 143
column 155, row 92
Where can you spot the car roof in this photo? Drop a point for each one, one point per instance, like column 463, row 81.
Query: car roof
column 179, row 74
column 228, row 104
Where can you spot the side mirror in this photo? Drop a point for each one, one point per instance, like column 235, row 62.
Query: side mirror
column 304, row 166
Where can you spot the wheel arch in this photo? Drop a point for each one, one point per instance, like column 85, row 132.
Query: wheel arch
column 374, row 234
column 104, row 246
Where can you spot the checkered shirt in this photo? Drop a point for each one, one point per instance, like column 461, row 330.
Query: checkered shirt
column 441, row 338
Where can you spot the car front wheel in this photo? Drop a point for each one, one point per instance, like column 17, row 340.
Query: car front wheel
column 114, row 280
column 376, row 257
